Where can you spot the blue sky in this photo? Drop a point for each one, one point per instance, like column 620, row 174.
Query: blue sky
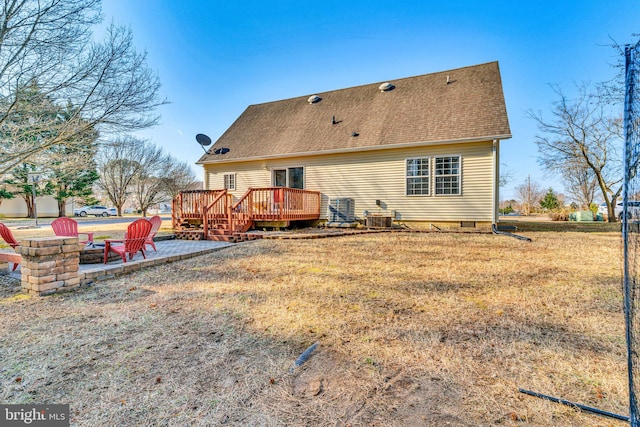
column 215, row 58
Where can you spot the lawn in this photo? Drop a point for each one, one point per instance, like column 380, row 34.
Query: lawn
column 412, row 329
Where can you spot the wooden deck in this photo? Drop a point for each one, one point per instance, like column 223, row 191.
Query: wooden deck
column 216, row 213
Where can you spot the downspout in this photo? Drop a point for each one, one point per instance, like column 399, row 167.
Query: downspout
column 495, row 184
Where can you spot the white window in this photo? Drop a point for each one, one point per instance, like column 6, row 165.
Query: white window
column 447, row 175
column 417, row 176
column 230, row 181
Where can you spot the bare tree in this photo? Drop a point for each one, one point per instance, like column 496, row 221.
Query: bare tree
column 178, row 177
column 118, row 166
column 506, row 175
column 529, row 194
column 612, row 91
column 581, row 135
column 581, row 183
column 147, row 184
column 49, row 43
column 135, row 169
column 160, row 178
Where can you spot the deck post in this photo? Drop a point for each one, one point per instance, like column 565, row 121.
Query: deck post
column 174, row 210
column 205, row 221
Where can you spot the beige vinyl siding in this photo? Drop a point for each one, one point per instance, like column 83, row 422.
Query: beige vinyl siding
column 381, row 175
column 248, row 175
column 496, row 182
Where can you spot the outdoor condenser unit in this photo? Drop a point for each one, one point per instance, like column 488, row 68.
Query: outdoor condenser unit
column 341, row 210
column 379, row 221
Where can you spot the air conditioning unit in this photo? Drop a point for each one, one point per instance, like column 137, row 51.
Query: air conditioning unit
column 379, row 221
column 341, row 210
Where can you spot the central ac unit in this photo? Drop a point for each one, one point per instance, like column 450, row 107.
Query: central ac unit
column 379, row 221
column 341, row 210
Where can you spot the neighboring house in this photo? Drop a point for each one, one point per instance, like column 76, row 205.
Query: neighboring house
column 46, row 207
column 424, row 149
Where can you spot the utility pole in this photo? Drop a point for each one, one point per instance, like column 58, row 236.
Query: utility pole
column 34, row 179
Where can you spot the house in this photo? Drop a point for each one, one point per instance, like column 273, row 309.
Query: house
column 423, row 150
column 46, row 206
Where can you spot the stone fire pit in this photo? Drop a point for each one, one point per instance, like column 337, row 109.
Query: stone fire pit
column 94, row 254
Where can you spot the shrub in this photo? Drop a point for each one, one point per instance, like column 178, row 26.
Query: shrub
column 506, row 210
column 560, row 216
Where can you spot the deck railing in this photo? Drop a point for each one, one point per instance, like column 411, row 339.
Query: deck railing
column 210, row 207
column 191, row 205
column 279, row 204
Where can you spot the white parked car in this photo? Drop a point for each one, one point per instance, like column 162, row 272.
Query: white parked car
column 633, row 210
column 92, row 210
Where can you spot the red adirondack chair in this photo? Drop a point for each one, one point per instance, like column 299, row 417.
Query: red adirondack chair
column 64, row 226
column 7, row 236
column 156, row 222
column 133, row 242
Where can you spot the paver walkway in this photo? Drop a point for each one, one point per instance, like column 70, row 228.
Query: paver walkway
column 168, row 251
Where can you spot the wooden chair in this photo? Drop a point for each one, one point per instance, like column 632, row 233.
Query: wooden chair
column 64, row 226
column 156, row 222
column 7, row 236
column 134, row 241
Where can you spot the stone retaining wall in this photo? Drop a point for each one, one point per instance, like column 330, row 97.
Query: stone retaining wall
column 50, row 264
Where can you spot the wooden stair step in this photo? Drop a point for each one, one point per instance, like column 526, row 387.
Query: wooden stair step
column 218, row 231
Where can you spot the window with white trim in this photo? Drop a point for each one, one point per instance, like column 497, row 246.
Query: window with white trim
column 417, row 176
column 230, row 181
column 447, row 175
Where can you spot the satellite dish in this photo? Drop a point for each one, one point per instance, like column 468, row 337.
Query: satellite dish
column 203, row 139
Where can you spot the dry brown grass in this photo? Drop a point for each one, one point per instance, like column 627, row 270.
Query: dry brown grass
column 413, row 329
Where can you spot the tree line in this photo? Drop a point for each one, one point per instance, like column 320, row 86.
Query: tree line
column 531, row 198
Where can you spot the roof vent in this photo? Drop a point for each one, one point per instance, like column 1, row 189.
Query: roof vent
column 386, row 87
column 313, row 99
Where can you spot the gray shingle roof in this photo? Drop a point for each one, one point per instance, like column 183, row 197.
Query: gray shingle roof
column 420, row 109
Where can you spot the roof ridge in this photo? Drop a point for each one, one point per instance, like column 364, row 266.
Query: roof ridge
column 377, row 83
column 427, row 107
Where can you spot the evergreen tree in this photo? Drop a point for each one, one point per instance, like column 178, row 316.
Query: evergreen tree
column 67, row 168
column 550, row 201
